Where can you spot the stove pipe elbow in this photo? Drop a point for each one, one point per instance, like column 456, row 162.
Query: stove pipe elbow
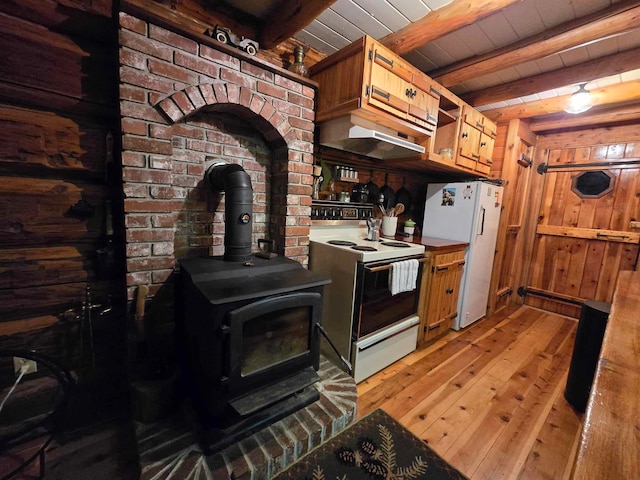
column 238, row 208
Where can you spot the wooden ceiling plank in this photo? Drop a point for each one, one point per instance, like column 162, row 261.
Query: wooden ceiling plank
column 580, row 73
column 625, row 113
column 621, row 17
column 619, row 93
column 291, row 16
column 441, row 22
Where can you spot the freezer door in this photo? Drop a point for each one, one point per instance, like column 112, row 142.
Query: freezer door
column 449, row 210
column 479, row 261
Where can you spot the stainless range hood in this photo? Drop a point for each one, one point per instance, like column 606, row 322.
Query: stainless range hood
column 354, row 134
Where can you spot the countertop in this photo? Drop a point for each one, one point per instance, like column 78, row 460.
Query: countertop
column 610, row 443
column 434, row 244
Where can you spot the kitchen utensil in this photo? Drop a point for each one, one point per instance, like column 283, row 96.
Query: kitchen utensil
column 404, row 196
column 374, row 190
column 389, row 194
column 373, row 229
column 389, row 226
column 380, row 203
column 398, row 209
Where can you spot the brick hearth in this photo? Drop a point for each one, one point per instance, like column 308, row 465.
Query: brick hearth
column 168, row 449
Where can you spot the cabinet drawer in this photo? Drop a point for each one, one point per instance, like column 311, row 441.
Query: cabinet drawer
column 437, row 329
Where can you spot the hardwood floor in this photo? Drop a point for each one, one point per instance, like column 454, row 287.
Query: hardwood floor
column 489, row 399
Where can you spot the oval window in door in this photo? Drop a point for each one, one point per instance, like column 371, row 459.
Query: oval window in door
column 592, row 184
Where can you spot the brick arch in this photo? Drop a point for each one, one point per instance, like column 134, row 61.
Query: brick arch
column 252, row 106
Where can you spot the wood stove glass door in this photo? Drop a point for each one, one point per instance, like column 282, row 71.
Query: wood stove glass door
column 272, row 337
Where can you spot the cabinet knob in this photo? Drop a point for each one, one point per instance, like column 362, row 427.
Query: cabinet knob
column 410, row 92
column 483, row 144
column 465, row 134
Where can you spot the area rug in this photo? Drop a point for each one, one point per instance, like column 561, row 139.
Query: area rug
column 375, row 447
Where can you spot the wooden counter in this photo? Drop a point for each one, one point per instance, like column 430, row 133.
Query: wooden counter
column 610, row 442
column 433, row 244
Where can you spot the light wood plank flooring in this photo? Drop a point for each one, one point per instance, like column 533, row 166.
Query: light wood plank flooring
column 489, row 399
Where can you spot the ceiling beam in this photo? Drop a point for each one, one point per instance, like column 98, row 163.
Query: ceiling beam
column 605, row 116
column 441, row 22
column 621, row 17
column 288, row 18
column 583, row 72
column 619, row 93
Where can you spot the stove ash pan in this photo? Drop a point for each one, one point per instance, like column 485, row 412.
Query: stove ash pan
column 248, row 339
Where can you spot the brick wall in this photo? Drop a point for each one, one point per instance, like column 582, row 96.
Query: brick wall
column 183, row 106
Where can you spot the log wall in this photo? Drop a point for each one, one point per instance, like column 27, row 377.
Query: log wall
column 58, row 112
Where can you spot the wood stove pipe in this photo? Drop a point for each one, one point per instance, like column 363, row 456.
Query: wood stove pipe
column 238, row 208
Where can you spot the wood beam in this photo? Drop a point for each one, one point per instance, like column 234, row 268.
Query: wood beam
column 583, row 72
column 626, row 113
column 619, row 93
column 439, row 23
column 621, row 17
column 288, row 18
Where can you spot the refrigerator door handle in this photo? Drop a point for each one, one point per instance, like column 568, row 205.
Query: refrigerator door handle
column 483, row 211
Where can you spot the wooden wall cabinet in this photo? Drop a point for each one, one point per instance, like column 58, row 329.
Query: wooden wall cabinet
column 439, row 298
column 369, row 80
column 469, row 135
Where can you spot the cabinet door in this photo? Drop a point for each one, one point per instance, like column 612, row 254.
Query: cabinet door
column 485, row 151
column 390, row 83
column 442, row 298
column 425, row 100
column 468, row 145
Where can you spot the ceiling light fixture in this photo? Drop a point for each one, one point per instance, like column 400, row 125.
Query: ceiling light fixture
column 579, row 101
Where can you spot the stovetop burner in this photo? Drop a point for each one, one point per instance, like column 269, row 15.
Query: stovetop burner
column 395, row 244
column 344, row 243
column 363, row 248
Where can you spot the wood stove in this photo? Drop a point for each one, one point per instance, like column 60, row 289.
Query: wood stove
column 250, row 344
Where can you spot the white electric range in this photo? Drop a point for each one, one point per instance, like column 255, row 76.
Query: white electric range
column 369, row 326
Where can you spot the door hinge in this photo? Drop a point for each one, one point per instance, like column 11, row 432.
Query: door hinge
column 366, row 90
column 370, row 55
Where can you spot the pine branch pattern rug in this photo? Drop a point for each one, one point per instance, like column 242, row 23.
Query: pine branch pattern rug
column 375, row 447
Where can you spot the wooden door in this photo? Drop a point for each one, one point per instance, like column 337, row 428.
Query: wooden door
column 584, row 239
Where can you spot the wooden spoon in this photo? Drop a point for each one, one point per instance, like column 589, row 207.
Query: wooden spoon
column 399, row 208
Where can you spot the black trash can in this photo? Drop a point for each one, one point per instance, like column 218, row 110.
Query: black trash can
column 586, row 350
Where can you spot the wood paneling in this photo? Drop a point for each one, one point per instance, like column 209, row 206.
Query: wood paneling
column 582, row 243
column 488, row 398
column 507, row 264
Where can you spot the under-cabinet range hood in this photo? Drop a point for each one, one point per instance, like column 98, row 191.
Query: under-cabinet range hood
column 357, row 135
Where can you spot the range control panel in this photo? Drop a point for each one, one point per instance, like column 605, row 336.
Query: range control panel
column 328, row 210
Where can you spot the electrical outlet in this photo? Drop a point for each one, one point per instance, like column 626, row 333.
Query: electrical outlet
column 18, row 362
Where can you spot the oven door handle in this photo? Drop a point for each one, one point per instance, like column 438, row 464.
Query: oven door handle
column 388, row 266
column 378, row 337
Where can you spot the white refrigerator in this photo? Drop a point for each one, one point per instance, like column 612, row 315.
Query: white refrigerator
column 469, row 212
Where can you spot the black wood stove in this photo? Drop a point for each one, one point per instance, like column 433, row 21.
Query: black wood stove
column 249, row 339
